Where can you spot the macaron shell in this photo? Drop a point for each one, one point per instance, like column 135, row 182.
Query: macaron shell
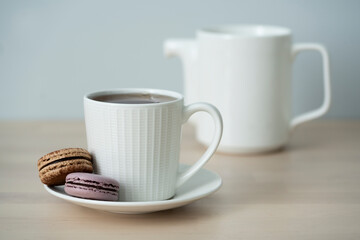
column 62, row 153
column 90, row 192
column 96, row 179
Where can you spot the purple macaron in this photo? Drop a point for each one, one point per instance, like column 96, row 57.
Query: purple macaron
column 91, row 186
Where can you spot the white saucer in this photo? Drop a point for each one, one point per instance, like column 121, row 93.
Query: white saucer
column 202, row 184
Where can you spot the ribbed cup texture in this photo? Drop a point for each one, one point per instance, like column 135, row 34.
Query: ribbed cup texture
column 137, row 146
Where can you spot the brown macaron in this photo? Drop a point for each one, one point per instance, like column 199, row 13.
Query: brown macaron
column 53, row 167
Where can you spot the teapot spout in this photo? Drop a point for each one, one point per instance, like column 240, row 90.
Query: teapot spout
column 183, row 48
column 186, row 50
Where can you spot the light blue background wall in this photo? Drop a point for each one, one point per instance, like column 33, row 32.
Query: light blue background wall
column 53, row 52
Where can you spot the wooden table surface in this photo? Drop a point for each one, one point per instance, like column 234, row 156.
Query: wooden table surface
column 311, row 190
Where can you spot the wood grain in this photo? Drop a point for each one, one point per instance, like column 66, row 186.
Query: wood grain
column 310, row 190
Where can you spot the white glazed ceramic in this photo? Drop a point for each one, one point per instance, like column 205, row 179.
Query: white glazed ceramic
column 139, row 144
column 245, row 70
column 202, row 184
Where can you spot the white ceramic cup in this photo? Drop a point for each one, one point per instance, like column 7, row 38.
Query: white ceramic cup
column 245, row 70
column 139, row 144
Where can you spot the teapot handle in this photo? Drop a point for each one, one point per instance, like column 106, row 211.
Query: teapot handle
column 297, row 48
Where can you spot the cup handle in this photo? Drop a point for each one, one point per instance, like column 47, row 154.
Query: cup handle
column 327, row 91
column 215, row 114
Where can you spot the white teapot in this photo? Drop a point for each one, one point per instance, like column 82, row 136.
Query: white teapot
column 245, row 71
